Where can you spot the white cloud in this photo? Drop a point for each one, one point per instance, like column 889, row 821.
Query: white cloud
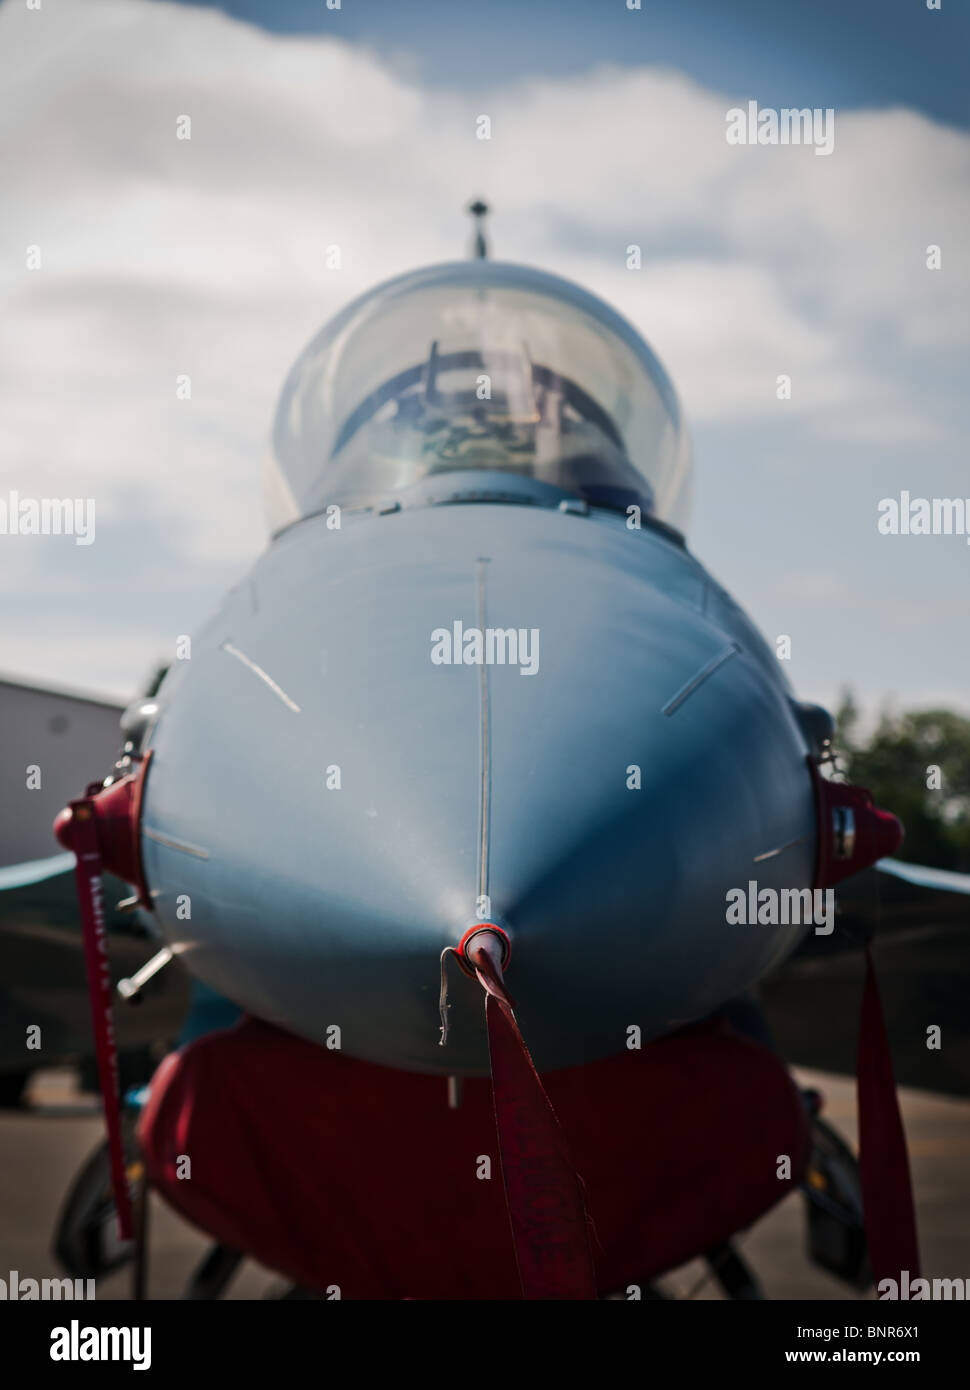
column 207, row 257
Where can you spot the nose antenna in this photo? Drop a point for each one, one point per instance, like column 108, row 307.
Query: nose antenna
column 479, row 211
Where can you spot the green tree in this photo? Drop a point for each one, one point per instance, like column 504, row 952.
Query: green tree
column 917, row 765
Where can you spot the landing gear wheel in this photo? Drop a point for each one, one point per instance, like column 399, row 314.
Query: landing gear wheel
column 86, row 1236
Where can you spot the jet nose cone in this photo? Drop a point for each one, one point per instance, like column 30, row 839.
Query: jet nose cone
column 338, row 791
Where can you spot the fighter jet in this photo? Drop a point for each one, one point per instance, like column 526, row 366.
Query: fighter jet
column 477, row 725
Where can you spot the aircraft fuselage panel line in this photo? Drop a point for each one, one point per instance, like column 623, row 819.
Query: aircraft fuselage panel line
column 695, row 682
column 486, row 781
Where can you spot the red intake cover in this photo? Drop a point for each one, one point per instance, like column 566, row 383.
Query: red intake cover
column 852, row 831
column 335, row 1171
column 117, row 815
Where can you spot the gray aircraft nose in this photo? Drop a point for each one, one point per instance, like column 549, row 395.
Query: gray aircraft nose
column 339, row 797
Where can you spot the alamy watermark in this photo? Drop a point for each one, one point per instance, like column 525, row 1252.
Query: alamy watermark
column 48, row 516
column 923, row 516
column 77, row 1343
column 906, row 1290
column 15, row 1289
column 773, row 907
column 766, row 125
column 491, row 646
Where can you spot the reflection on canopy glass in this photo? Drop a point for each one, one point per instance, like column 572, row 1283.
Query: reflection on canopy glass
column 478, row 366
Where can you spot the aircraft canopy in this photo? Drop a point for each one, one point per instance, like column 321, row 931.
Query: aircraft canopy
column 477, row 365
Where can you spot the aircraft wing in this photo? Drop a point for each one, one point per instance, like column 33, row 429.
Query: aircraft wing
column 42, row 975
column 919, row 918
column 53, row 744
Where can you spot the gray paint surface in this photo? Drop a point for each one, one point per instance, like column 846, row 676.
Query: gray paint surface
column 313, row 907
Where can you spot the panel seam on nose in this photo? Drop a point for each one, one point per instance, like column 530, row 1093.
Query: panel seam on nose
column 696, row 681
column 485, row 786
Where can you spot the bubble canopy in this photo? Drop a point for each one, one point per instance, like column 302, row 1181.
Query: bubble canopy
column 477, row 367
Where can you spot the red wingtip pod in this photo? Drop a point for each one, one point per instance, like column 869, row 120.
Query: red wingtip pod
column 852, row 831
column 117, row 814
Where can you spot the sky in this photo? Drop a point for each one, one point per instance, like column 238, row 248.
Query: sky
column 163, row 257
column 828, row 53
